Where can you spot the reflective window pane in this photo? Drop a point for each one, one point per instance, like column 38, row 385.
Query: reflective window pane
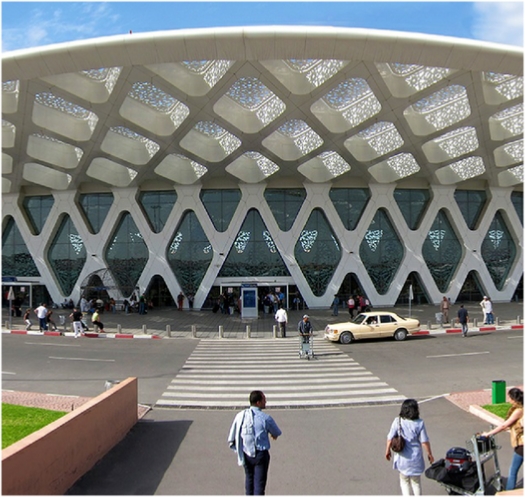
column 317, row 252
column 350, row 204
column 37, row 209
column 190, row 253
column 412, row 204
column 471, row 203
column 96, row 207
column 285, row 205
column 517, row 201
column 157, row 207
column 220, row 206
column 381, row 252
column 16, row 259
column 67, row 255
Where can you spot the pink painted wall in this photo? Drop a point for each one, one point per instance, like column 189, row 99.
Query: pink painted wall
column 50, row 460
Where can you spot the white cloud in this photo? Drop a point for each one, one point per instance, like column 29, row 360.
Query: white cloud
column 499, row 22
column 43, row 27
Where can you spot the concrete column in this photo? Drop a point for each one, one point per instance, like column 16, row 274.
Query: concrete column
column 248, row 331
column 144, row 329
column 119, row 328
column 168, row 330
column 221, row 331
column 194, row 331
column 275, row 331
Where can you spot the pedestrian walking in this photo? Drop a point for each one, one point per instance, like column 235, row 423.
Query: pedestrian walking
column 180, row 300
column 41, row 313
column 282, row 318
column 351, row 306
column 445, row 306
column 95, row 319
column 410, row 461
column 50, row 321
column 335, row 306
column 76, row 317
column 305, row 328
column 249, row 437
column 463, row 319
column 514, row 423
column 27, row 319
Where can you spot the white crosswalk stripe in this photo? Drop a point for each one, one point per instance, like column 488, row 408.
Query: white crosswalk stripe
column 221, row 374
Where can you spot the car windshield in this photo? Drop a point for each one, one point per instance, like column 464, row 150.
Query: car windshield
column 359, row 319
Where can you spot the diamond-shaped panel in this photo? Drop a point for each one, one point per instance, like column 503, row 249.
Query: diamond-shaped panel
column 220, row 206
column 375, row 141
column 16, row 258
column 381, row 252
column 67, row 255
column 442, row 251
column 210, row 141
column 317, row 252
column 95, row 207
column 37, row 209
column 158, row 207
column 350, row 204
column 189, row 253
column 412, row 204
column 471, row 204
column 285, row 204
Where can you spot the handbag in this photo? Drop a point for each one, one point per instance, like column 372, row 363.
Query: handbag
column 398, row 442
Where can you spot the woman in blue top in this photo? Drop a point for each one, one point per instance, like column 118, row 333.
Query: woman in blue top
column 410, row 462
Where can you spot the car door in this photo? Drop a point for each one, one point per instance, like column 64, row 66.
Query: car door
column 370, row 328
column 388, row 325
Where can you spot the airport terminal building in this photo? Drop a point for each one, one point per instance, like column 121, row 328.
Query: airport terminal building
column 314, row 161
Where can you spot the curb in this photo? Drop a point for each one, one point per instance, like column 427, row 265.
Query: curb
column 485, row 415
column 85, row 335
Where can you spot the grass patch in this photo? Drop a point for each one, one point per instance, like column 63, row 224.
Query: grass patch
column 20, row 421
column 500, row 410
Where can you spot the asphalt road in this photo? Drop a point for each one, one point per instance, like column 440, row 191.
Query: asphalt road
column 322, row 451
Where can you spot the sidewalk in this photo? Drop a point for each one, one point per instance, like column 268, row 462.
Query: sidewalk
column 170, row 322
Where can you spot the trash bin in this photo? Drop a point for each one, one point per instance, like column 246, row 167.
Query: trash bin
column 499, row 388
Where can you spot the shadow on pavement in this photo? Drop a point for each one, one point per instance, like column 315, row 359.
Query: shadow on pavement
column 136, row 465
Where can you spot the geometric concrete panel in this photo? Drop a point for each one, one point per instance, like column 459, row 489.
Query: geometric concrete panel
column 324, row 167
column 110, row 172
column 95, row 85
column 511, row 177
column 508, row 154
column 394, row 168
column 293, row 140
column 53, row 151
column 65, row 118
column 210, row 141
column 7, row 164
column 443, row 108
column 404, row 80
column 6, row 185
column 8, row 134
column 151, row 108
column 252, row 167
column 45, row 176
column 180, row 169
column 506, row 123
column 460, row 170
column 129, row 146
column 451, row 145
column 302, row 76
column 10, row 92
column 195, row 78
column 500, row 88
column 377, row 140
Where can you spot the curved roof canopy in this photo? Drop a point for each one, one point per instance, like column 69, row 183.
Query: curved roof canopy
column 275, row 104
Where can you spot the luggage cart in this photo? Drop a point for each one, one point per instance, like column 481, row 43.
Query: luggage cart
column 484, row 453
column 306, row 347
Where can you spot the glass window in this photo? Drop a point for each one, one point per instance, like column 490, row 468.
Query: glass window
column 498, row 250
column 317, row 252
column 157, row 207
column 127, row 254
column 96, row 207
column 381, row 252
column 350, row 204
column 412, row 204
column 442, row 251
column 285, row 205
column 517, row 201
column 67, row 255
column 471, row 203
column 220, row 206
column 16, row 259
column 190, row 253
column 253, row 252
column 37, row 210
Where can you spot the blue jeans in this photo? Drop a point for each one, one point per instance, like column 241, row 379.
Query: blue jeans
column 515, row 466
column 42, row 323
column 490, row 318
column 256, row 471
column 464, row 328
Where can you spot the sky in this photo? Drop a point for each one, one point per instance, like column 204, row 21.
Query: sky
column 33, row 24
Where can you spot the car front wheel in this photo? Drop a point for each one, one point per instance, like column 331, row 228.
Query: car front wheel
column 346, row 337
column 400, row 335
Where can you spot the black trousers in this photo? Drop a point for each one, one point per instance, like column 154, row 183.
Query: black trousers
column 256, row 472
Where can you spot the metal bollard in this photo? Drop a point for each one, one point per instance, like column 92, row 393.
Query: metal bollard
column 518, row 319
column 475, row 322
column 119, row 328
column 221, row 331
column 275, row 331
column 144, row 329
column 168, row 330
column 496, row 322
column 429, row 325
column 248, row 331
column 194, row 331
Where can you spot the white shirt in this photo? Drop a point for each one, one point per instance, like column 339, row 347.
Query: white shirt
column 488, row 306
column 41, row 312
column 281, row 316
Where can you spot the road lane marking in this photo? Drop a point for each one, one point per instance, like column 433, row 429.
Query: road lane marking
column 53, row 344
column 456, row 355
column 518, row 336
column 81, row 359
column 7, row 372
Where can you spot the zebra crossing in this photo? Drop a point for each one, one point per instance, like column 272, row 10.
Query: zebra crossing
column 221, row 374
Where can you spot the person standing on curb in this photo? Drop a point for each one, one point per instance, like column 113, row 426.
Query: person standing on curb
column 282, row 318
column 489, row 314
column 445, row 306
column 180, row 300
column 249, row 438
column 41, row 314
column 76, row 317
column 335, row 306
column 463, row 319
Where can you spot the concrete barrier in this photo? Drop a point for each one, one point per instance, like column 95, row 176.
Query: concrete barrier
column 51, row 460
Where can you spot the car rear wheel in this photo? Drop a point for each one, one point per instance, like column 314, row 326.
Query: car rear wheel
column 400, row 335
column 346, row 337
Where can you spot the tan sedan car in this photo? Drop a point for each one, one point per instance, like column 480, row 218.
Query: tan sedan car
column 372, row 325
